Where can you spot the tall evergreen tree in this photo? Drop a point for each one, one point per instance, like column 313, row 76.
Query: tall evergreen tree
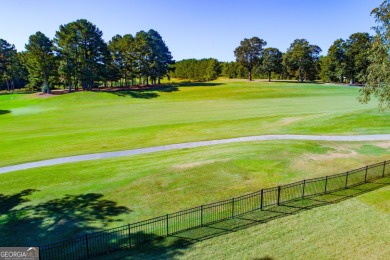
column 84, row 52
column 143, row 52
column 161, row 57
column 129, row 57
column 66, row 45
column 19, row 72
column 7, row 62
column 118, row 49
column 40, row 59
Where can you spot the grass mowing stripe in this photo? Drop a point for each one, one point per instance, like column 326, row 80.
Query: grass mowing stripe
column 89, row 122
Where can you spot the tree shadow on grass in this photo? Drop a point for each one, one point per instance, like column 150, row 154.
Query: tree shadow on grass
column 297, row 82
column 152, row 91
column 17, row 92
column 8, row 202
column 62, row 218
column 136, row 94
column 145, row 92
column 3, row 112
column 23, row 224
column 199, row 84
column 78, row 221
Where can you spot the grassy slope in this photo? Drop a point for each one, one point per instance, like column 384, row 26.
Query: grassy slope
column 67, row 197
column 353, row 229
column 160, row 183
column 327, row 232
column 79, row 123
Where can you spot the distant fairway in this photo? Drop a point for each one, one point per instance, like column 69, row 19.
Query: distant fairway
column 37, row 128
column 48, row 204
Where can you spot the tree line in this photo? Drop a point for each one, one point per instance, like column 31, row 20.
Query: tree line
column 346, row 61
column 197, row 70
column 78, row 56
column 360, row 58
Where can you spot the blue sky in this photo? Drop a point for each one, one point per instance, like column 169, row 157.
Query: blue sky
column 195, row 28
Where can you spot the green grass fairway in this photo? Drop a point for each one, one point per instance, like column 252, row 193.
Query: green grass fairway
column 43, row 205
column 35, row 128
column 48, row 204
column 356, row 228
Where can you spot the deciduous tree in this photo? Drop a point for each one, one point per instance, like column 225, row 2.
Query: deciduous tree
column 249, row 52
column 198, row 70
column 357, row 48
column 303, row 57
column 378, row 78
column 333, row 65
column 272, row 61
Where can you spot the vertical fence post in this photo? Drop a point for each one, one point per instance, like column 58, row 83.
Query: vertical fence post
column 365, row 175
column 326, row 183
column 201, row 215
column 232, row 207
column 278, row 202
column 167, row 223
column 346, row 181
column 303, row 189
column 129, row 231
column 87, row 246
column 384, row 167
column 261, row 199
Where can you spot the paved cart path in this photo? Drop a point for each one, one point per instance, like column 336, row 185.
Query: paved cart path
column 97, row 156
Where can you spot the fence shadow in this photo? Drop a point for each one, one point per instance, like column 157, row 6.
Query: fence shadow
column 183, row 228
column 167, row 248
column 177, row 242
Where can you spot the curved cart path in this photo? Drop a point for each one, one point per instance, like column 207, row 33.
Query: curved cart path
column 97, row 156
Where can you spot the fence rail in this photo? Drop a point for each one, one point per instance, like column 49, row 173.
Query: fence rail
column 134, row 234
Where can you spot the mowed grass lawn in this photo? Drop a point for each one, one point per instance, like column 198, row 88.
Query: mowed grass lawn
column 35, row 128
column 48, row 204
column 352, row 229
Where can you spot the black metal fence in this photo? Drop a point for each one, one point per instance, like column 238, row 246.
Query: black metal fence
column 135, row 234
